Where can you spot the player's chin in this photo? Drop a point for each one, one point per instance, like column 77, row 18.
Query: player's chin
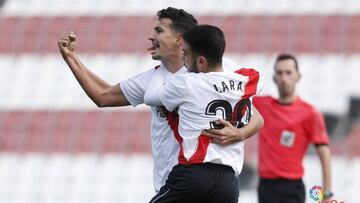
column 155, row 56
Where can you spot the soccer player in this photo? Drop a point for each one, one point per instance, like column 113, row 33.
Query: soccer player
column 290, row 126
column 206, row 171
column 165, row 47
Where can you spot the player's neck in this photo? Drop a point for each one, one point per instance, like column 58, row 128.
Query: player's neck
column 217, row 68
column 287, row 98
column 173, row 64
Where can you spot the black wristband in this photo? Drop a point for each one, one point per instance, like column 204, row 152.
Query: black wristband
column 328, row 194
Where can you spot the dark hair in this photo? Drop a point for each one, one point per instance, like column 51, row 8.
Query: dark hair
column 285, row 56
column 181, row 20
column 206, row 40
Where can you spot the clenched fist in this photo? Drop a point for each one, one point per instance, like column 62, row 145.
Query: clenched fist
column 67, row 43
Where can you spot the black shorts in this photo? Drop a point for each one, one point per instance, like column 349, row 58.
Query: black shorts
column 197, row 183
column 281, row 191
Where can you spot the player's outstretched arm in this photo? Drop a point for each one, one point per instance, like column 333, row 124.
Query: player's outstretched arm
column 98, row 90
column 230, row 134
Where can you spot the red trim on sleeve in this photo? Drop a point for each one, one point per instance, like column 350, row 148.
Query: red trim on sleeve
column 251, row 85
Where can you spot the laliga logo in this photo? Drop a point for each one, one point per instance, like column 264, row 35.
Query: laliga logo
column 316, row 193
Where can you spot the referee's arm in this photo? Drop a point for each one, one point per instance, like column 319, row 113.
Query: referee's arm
column 324, row 154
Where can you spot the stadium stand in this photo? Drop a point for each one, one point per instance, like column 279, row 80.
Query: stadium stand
column 56, row 146
column 298, row 34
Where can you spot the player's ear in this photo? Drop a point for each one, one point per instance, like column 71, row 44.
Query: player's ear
column 198, row 61
column 274, row 79
column 201, row 60
column 201, row 63
column 179, row 40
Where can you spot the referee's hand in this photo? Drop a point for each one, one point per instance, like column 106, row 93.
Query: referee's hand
column 67, row 43
column 229, row 134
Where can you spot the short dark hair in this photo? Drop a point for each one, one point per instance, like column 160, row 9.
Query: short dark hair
column 182, row 21
column 285, row 56
column 207, row 40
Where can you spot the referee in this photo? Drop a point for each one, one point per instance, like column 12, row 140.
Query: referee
column 291, row 125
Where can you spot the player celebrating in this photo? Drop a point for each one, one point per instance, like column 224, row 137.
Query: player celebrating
column 290, row 126
column 166, row 47
column 206, row 171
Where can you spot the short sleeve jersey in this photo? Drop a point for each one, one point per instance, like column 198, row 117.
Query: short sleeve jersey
column 202, row 98
column 287, row 132
column 165, row 148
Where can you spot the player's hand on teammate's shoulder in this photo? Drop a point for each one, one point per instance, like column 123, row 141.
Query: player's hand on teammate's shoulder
column 67, row 43
column 229, row 134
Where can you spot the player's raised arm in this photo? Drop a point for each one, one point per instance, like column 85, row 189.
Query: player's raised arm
column 98, row 90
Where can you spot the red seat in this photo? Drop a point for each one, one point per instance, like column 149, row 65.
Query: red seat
column 9, row 32
column 10, row 128
column 63, row 129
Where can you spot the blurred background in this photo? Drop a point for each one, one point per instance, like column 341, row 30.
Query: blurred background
column 57, row 146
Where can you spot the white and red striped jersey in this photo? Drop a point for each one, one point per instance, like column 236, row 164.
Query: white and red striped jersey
column 202, row 98
column 164, row 145
column 165, row 148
